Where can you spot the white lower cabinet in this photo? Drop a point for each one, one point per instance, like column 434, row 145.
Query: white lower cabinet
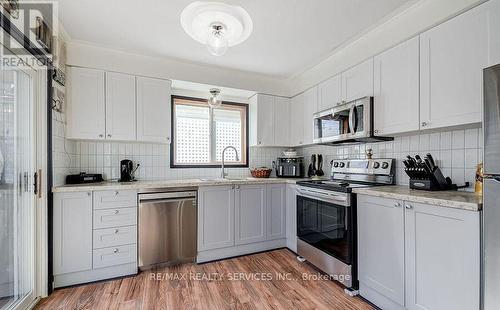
column 72, row 231
column 92, row 242
column 442, row 258
column 215, row 217
column 250, row 214
column 417, row 256
column 381, row 249
column 240, row 219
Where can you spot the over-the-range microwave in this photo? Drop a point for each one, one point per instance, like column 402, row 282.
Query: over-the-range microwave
column 347, row 122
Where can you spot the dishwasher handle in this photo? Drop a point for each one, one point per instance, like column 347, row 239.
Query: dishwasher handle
column 165, row 196
column 148, row 201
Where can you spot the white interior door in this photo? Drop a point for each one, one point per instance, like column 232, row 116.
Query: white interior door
column 17, row 201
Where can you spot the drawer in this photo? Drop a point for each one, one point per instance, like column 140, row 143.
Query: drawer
column 114, row 256
column 109, row 237
column 115, row 199
column 115, row 217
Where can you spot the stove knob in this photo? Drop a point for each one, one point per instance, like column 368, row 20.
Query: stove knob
column 342, row 165
column 385, row 165
column 336, row 165
column 376, row 165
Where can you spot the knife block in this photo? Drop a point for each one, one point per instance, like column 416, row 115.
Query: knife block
column 421, row 179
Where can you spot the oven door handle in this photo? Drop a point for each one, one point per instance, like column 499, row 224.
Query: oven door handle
column 328, row 199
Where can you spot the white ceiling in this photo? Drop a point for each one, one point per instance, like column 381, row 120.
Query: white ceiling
column 289, row 36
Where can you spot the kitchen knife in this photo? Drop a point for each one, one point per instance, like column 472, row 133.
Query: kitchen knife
column 419, row 160
column 412, row 161
column 407, row 165
column 430, row 164
column 431, row 160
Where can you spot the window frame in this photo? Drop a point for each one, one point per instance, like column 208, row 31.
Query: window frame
column 245, row 135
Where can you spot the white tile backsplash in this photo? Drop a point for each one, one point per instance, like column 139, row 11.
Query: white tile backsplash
column 456, row 152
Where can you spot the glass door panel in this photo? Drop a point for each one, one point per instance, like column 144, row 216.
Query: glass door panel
column 17, row 202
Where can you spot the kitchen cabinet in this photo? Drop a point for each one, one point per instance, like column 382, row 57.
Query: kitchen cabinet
column 418, row 256
column 330, row 93
column 215, row 217
column 269, row 116
column 120, row 106
column 276, row 210
column 442, row 258
column 452, row 58
column 297, row 120
column 86, row 104
column 95, row 236
column 72, row 232
column 381, row 248
column 492, row 8
column 282, row 121
column 396, row 89
column 153, row 110
column 310, row 107
column 291, row 217
column 235, row 220
column 250, row 214
column 357, row 82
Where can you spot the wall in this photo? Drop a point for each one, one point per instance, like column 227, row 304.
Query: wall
column 418, row 18
column 92, row 56
column 456, row 152
column 104, row 157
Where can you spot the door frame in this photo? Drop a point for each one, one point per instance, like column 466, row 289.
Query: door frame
column 41, row 79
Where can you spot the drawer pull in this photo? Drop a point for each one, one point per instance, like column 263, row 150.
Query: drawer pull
column 116, row 193
column 116, row 231
column 117, row 211
column 115, row 251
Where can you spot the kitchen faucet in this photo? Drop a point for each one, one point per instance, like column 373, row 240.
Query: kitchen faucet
column 224, row 174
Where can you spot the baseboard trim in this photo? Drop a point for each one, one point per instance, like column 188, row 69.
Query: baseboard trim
column 69, row 279
column 239, row 250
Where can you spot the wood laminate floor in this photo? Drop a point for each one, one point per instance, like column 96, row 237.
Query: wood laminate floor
column 270, row 280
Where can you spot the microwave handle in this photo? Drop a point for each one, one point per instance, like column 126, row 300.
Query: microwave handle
column 352, row 119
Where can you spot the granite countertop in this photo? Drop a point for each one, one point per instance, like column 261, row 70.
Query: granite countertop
column 115, row 185
column 451, row 199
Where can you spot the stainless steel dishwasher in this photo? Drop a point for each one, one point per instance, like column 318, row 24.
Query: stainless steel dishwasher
column 167, row 227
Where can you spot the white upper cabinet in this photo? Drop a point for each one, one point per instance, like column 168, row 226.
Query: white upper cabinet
column 396, row 89
column 452, row 58
column 357, row 82
column 262, row 116
column 153, row 110
column 86, row 104
column 297, row 120
column 269, row 116
column 310, row 107
column 492, row 8
column 120, row 106
column 330, row 93
column 281, row 121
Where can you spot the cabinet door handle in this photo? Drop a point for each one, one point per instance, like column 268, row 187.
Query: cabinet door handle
column 109, row 135
column 115, row 251
column 237, row 187
column 409, row 207
column 116, row 193
column 424, row 124
column 89, row 193
column 397, row 205
column 100, row 136
column 117, row 211
column 116, row 231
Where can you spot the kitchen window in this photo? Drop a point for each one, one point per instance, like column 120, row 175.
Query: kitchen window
column 201, row 133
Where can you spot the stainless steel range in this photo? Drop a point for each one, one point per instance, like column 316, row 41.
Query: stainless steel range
column 326, row 215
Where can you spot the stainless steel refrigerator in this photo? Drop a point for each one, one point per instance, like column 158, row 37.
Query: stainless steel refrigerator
column 491, row 195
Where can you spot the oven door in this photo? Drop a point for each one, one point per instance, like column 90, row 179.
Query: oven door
column 326, row 226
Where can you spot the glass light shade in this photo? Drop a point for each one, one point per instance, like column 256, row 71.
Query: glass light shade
column 214, row 101
column 217, row 43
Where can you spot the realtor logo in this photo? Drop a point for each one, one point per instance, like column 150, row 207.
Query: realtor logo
column 36, row 20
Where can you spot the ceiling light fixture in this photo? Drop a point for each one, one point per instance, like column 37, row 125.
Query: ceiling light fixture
column 217, row 25
column 215, row 100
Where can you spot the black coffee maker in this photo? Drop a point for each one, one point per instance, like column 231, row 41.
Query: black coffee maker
column 127, row 170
